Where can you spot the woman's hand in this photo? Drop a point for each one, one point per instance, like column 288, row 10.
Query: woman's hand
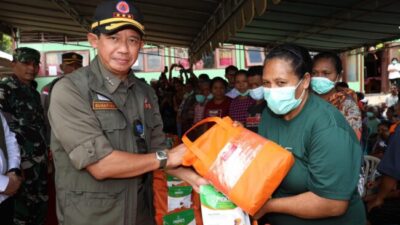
column 195, row 180
column 261, row 212
column 190, row 176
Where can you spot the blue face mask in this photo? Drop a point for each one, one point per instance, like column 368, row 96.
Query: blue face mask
column 210, row 96
column 244, row 93
column 233, row 93
column 282, row 100
column 257, row 93
column 200, row 98
column 322, row 85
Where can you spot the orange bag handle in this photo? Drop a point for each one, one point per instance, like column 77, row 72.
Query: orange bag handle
column 194, row 149
column 214, row 119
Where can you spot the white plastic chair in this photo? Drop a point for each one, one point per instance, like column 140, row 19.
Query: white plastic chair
column 370, row 172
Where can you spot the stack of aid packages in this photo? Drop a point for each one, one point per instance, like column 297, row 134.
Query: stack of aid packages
column 243, row 166
column 175, row 201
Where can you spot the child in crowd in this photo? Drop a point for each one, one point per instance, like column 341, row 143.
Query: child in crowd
column 240, row 104
column 202, row 97
column 219, row 105
column 257, row 93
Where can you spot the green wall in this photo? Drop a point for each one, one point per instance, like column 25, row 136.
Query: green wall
column 48, row 47
column 239, row 52
column 355, row 86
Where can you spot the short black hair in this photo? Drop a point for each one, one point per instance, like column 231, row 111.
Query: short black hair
column 204, row 77
column 331, row 56
column 241, row 72
column 255, row 70
column 342, row 84
column 231, row 67
column 298, row 56
column 394, row 58
column 219, row 79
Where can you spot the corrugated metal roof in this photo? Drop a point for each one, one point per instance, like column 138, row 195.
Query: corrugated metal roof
column 324, row 25
column 201, row 25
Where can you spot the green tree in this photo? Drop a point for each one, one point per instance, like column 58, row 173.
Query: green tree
column 5, row 43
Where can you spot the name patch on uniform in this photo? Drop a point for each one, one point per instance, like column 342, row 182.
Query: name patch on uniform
column 101, row 105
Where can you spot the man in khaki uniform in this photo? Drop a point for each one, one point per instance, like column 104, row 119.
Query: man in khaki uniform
column 107, row 130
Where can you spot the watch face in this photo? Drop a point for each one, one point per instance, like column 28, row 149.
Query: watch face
column 162, row 155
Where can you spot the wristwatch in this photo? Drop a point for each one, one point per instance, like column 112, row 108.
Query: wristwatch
column 162, row 156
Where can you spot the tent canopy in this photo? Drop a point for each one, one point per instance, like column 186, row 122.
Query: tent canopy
column 201, row 25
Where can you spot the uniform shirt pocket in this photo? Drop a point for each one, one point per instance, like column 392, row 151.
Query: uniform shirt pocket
column 111, row 120
column 86, row 207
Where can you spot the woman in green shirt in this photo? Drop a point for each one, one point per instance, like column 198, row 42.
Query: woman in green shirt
column 321, row 186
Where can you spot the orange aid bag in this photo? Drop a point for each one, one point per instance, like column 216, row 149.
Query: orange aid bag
column 244, row 166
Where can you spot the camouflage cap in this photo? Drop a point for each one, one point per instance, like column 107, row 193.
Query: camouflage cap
column 25, row 54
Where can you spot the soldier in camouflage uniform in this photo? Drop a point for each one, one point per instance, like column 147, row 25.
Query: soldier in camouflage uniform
column 20, row 103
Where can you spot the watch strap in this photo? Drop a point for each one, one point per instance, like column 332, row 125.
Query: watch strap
column 163, row 159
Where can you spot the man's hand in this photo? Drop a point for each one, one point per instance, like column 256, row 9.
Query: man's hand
column 13, row 184
column 175, row 156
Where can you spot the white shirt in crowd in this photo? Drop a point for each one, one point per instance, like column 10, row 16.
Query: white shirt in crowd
column 14, row 157
column 391, row 100
column 395, row 74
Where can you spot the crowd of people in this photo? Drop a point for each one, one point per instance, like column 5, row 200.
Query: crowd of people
column 186, row 99
column 105, row 129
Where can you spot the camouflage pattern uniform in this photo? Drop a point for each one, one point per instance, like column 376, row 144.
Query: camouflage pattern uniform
column 21, row 106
